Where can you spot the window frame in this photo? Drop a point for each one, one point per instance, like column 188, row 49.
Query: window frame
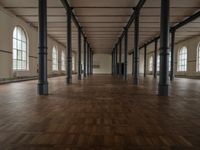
column 63, row 63
column 55, row 59
column 20, row 49
column 182, row 59
column 150, row 66
column 158, row 63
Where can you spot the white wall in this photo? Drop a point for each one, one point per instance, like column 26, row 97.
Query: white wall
column 104, row 61
column 8, row 22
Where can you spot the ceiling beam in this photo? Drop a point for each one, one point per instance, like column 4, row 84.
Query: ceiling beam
column 186, row 21
column 132, row 18
column 175, row 27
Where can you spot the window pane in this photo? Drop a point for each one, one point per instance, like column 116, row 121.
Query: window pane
column 23, row 37
column 14, row 54
column 182, row 59
column 14, row 64
column 19, row 48
column 23, row 64
column 19, row 56
column 23, row 46
column 14, row 43
column 19, row 64
column 23, row 56
column 151, row 63
column 19, row 45
column 19, row 34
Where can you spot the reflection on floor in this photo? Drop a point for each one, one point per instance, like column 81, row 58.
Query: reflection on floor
column 100, row 112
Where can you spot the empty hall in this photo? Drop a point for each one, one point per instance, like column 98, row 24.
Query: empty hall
column 99, row 74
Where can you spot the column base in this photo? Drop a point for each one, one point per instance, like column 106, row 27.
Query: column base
column 42, row 88
column 135, row 81
column 163, row 90
column 171, row 78
column 125, row 77
column 79, row 77
column 69, row 80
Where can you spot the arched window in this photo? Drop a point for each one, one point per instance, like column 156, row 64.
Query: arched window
column 158, row 63
column 198, row 58
column 20, row 49
column 55, row 59
column 73, row 62
column 151, row 63
column 63, row 61
column 182, row 59
column 169, row 61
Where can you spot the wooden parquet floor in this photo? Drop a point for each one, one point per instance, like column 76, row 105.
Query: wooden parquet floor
column 100, row 113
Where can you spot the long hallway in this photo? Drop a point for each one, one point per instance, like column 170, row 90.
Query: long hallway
column 101, row 112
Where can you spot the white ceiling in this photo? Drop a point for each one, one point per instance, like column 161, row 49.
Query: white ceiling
column 103, row 20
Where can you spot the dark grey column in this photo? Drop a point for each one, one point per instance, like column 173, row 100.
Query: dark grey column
column 79, row 53
column 136, row 53
column 120, row 57
column 69, row 46
column 172, row 55
column 92, row 62
column 133, row 62
column 155, row 59
column 42, row 83
column 115, row 60
column 145, row 60
column 84, row 63
column 88, row 59
column 112, row 63
column 164, row 49
column 125, row 52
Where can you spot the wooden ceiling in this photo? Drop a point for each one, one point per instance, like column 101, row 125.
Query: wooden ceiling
column 103, row 20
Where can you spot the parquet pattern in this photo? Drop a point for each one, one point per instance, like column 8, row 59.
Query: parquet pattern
column 100, row 113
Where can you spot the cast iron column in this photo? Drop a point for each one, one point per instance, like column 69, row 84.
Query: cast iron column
column 172, row 55
column 91, row 62
column 125, row 52
column 69, row 46
column 145, row 60
column 79, row 53
column 120, row 57
column 117, row 66
column 42, row 83
column 155, row 60
column 133, row 62
column 136, row 53
column 116, row 59
column 89, row 51
column 88, row 59
column 84, row 63
column 164, row 49
column 112, row 63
